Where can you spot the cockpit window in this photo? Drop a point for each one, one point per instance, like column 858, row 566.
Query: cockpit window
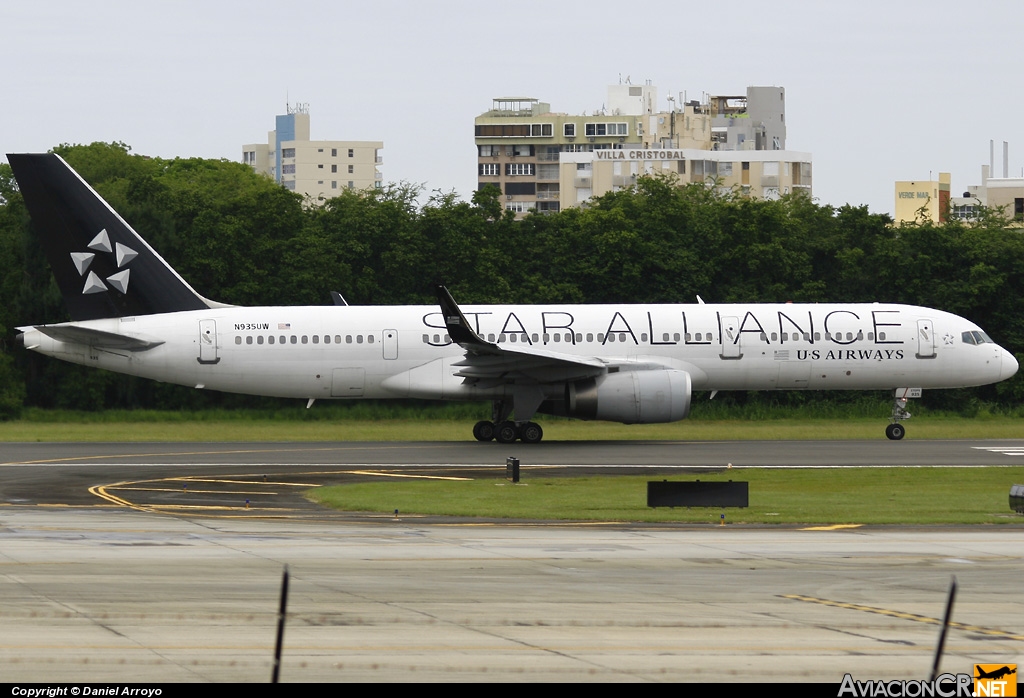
column 976, row 337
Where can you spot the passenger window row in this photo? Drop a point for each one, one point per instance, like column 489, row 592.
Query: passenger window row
column 705, row 337
column 568, row 337
column 305, row 339
column 837, row 336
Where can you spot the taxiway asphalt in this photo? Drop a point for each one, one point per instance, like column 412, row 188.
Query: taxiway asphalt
column 161, row 589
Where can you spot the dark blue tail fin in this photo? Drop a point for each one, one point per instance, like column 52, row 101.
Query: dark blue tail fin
column 103, row 267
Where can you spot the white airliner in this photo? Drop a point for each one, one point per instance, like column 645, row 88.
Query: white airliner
column 132, row 313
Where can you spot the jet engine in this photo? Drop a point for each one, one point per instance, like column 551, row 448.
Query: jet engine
column 631, row 397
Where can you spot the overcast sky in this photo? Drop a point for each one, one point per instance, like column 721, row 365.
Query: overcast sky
column 877, row 91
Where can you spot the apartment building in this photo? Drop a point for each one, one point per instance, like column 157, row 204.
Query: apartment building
column 544, row 161
column 315, row 169
column 765, row 174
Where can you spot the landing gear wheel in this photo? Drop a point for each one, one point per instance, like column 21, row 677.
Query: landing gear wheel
column 506, row 433
column 895, row 432
column 531, row 433
column 483, row 431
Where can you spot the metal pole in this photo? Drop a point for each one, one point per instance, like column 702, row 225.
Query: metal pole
column 945, row 627
column 280, row 625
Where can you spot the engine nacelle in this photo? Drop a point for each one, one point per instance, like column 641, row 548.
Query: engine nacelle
column 631, row 397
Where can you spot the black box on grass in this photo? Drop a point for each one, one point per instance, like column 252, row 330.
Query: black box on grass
column 698, row 494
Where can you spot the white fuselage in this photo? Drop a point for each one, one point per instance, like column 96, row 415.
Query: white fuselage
column 403, row 351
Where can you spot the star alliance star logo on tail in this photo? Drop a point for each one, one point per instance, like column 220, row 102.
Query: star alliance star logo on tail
column 122, row 254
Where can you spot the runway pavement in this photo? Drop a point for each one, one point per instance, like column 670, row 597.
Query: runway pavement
column 138, row 562
column 602, row 453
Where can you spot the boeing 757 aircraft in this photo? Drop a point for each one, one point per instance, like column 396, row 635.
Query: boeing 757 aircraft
column 132, row 313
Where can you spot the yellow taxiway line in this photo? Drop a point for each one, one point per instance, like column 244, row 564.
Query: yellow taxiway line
column 993, row 632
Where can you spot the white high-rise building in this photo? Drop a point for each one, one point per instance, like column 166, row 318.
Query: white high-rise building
column 316, row 169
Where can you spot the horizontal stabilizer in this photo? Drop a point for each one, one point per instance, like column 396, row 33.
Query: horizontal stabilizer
column 75, row 334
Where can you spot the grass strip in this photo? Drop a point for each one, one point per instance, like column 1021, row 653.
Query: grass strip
column 976, row 495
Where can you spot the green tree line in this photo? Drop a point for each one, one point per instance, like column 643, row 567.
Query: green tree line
column 239, row 238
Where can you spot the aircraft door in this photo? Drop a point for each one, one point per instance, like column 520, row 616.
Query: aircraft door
column 925, row 339
column 731, row 338
column 390, row 344
column 208, row 342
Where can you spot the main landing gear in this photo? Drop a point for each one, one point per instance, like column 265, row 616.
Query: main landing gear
column 505, row 431
column 508, row 432
column 897, row 431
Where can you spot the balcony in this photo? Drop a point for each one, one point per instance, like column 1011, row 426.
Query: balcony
column 547, row 196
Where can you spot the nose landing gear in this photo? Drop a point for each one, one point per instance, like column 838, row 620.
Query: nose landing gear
column 896, row 431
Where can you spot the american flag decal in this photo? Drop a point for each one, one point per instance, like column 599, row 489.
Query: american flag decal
column 284, row 325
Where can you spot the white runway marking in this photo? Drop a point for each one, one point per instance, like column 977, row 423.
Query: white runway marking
column 501, row 466
column 1005, row 450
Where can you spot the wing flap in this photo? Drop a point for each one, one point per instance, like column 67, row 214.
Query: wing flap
column 535, row 364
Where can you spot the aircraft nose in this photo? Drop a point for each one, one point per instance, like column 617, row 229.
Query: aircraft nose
column 1009, row 366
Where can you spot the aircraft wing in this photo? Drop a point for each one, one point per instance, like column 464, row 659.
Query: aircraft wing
column 490, row 362
column 75, row 334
